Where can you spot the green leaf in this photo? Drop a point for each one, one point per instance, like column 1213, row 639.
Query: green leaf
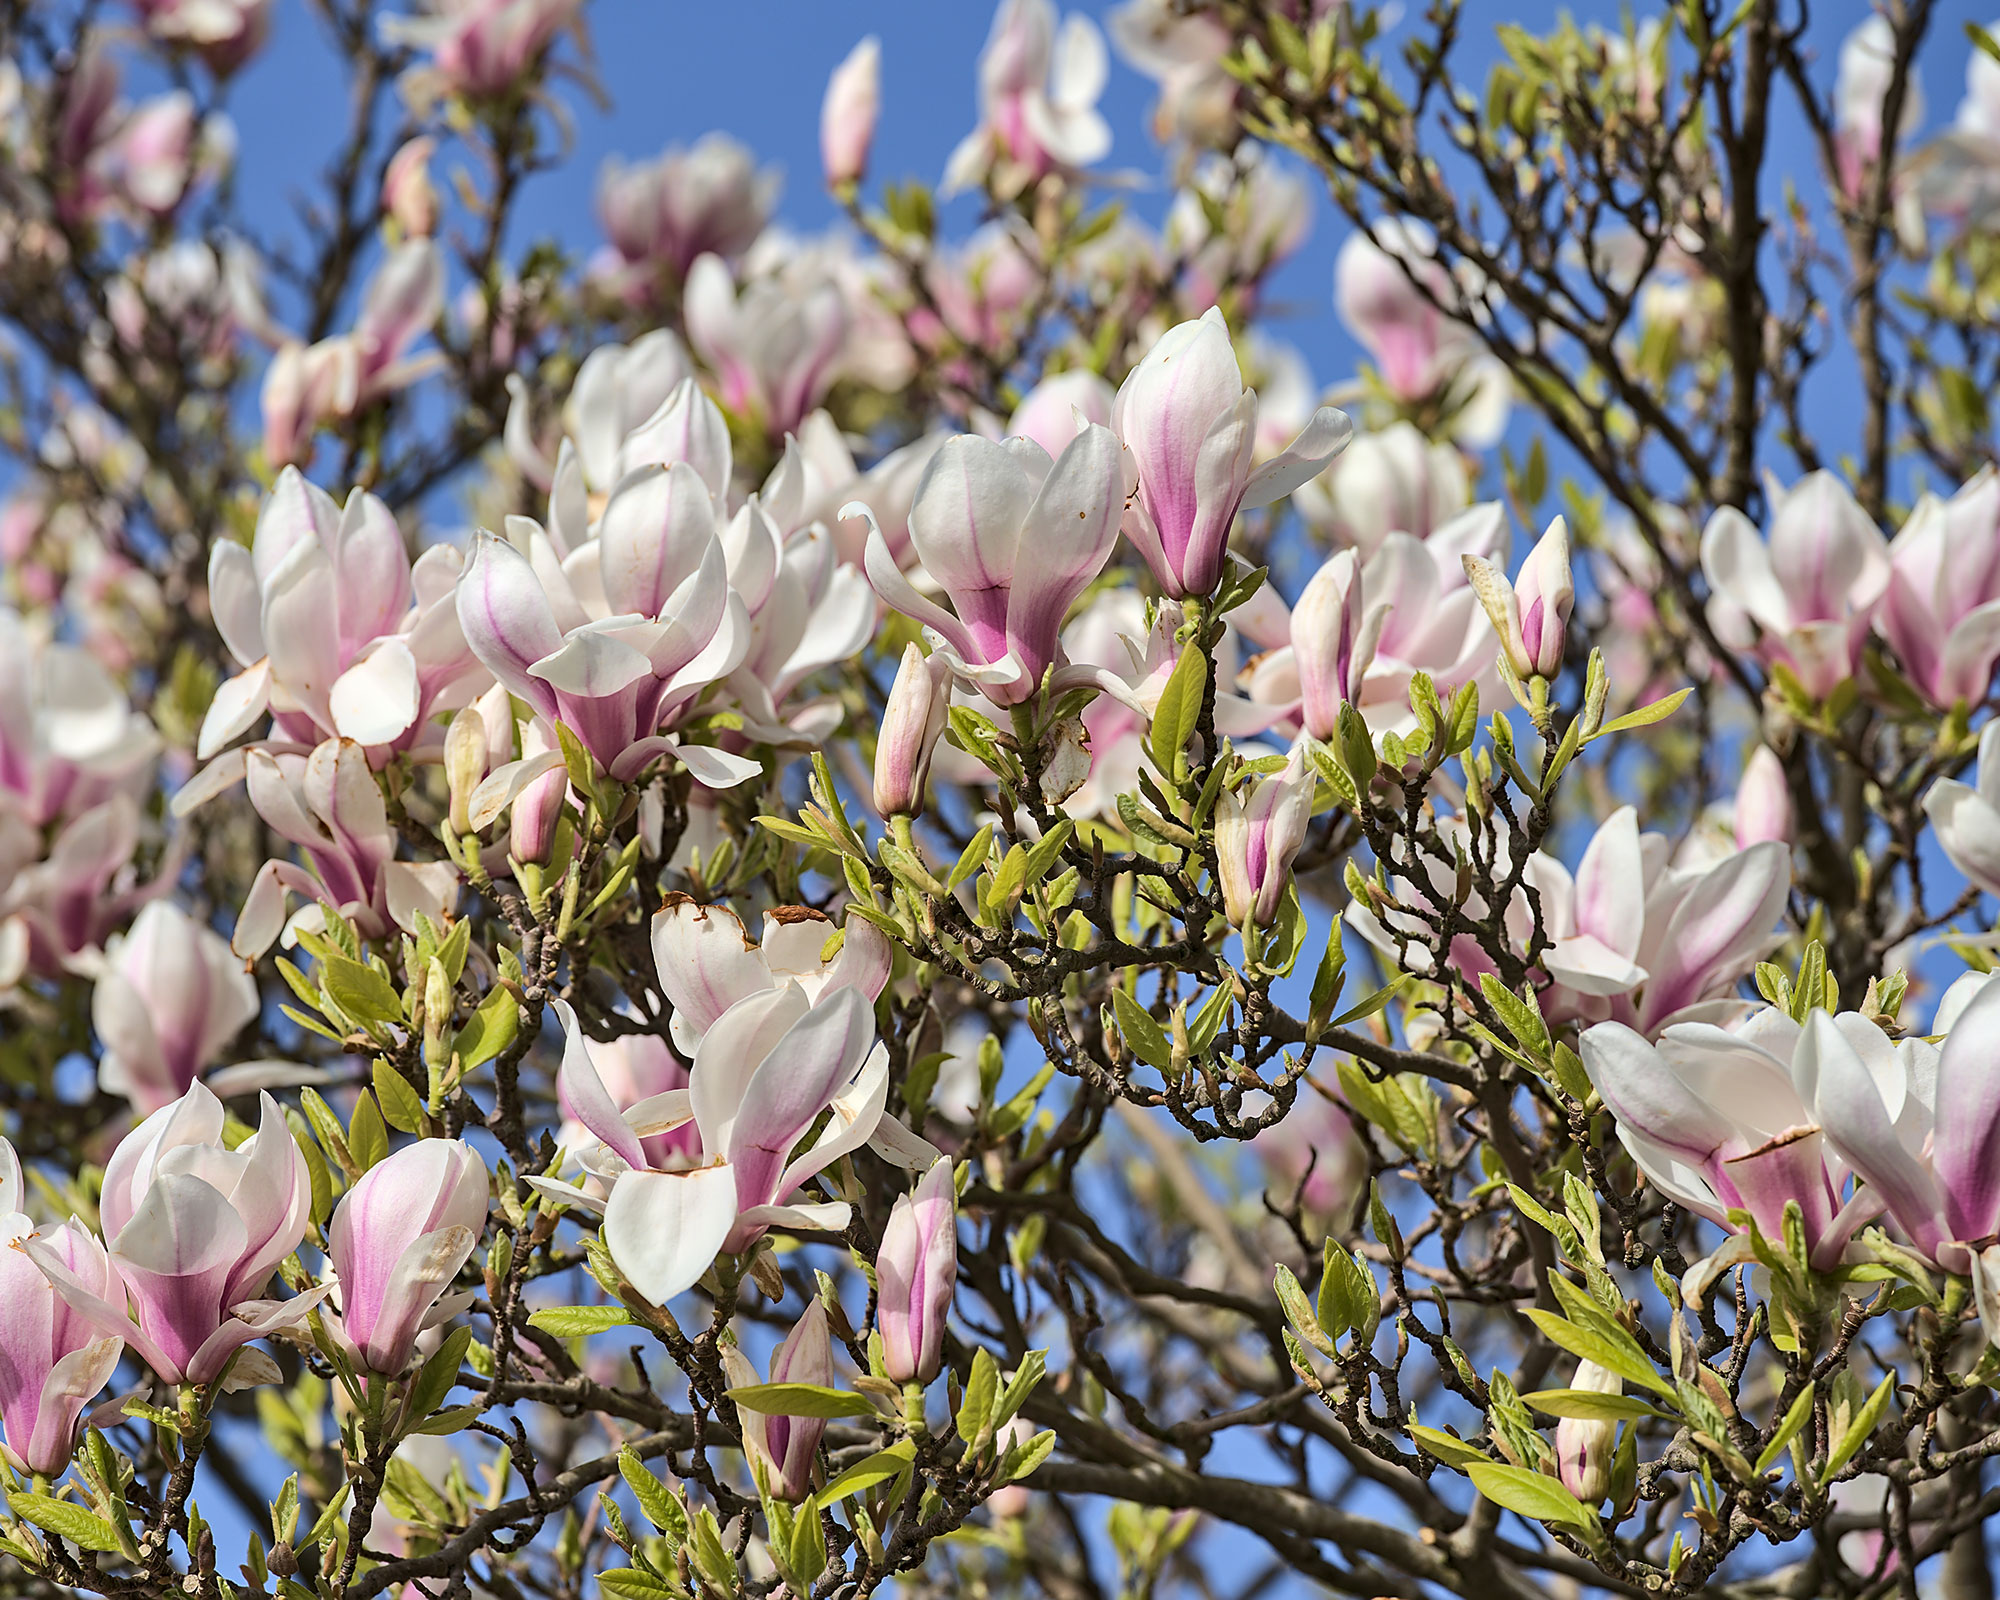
column 799, row 1400
column 1367, row 1007
column 1587, row 1344
column 629, row 1583
column 656, row 1500
column 1797, row 1415
column 489, row 1030
column 1532, row 1494
column 440, row 1373
column 359, row 990
column 972, row 858
column 401, row 1107
column 66, row 1520
column 367, row 1138
column 1178, row 710
column 1025, row 1458
column 1645, row 716
column 326, row 1128
column 1148, row 1041
column 1299, row 1311
column 1855, row 1435
column 975, row 1411
column 878, row 1468
column 578, row 1322
column 1589, row 1405
column 1448, row 1448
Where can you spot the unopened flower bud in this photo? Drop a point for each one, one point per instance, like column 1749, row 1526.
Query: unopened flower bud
column 536, row 812
column 465, row 749
column 781, row 1447
column 1531, row 615
column 917, row 1272
column 1584, row 1446
column 409, row 198
column 1258, row 831
column 1763, row 801
column 919, row 705
column 1333, row 642
column 847, row 115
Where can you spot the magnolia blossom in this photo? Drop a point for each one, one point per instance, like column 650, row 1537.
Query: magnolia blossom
column 766, row 1070
column 773, row 346
column 706, row 963
column 1012, row 538
column 483, row 47
column 329, row 805
column 339, row 635
column 1038, row 90
column 781, row 1448
column 1958, row 174
column 397, row 1240
column 1407, row 311
column 409, row 198
column 1394, row 481
column 847, row 115
column 1266, row 215
column 1860, row 90
column 1259, row 829
column 618, row 389
column 53, row 1359
column 1531, row 613
column 1189, row 428
column 1966, row 817
column 662, row 214
column 1763, row 805
column 818, row 466
column 1941, row 610
column 1804, row 598
column 225, row 33
column 917, row 1271
column 196, row 1230
column 636, row 1067
column 171, row 995
column 1182, row 53
column 1047, row 413
column 1415, row 612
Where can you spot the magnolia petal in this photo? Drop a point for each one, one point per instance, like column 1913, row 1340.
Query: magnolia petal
column 663, row 1229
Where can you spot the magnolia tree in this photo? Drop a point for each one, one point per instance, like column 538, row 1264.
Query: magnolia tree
column 753, row 913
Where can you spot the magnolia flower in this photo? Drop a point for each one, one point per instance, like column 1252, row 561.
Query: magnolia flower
column 847, row 115
column 780, row 1448
column 1958, row 174
column 1966, row 817
column 1012, row 538
column 1720, row 1120
column 482, row 47
column 616, row 680
column 773, row 347
column 1266, row 214
column 409, row 198
column 1584, row 1445
column 706, row 963
column 766, row 1070
column 1941, row 610
column 636, row 1067
column 339, row 635
column 225, row 33
column 817, row 476
column 1429, row 621
column 1038, row 90
column 1394, row 481
column 329, row 805
column 1404, row 307
column 171, row 995
column 663, row 213
column 1333, row 642
column 1047, row 413
column 1258, row 831
column 1860, row 90
column 1763, row 808
column 1803, row 600
column 1189, row 427
column 617, row 390
column 1183, row 53
column 917, row 1271
column 1531, row 613
column 397, row 1240
column 196, row 1230
column 912, row 722
column 53, row 1359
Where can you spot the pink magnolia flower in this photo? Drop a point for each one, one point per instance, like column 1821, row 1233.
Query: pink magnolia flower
column 1584, row 1445
column 912, row 723
column 917, row 1272
column 1183, row 53
column 618, row 389
column 1966, row 817
column 847, row 115
column 171, row 995
column 397, row 1240
column 329, row 804
column 196, row 1230
column 53, row 1360
column 633, row 1068
column 1189, row 428
column 781, row 1448
column 409, row 198
column 483, row 47
column 1941, row 609
column 1259, row 829
column 1867, row 64
column 1805, row 598
column 1266, row 214
column 224, row 33
column 1531, row 614
column 338, row 633
column 773, row 345
column 1038, row 90
column 1047, row 413
column 664, row 213
column 1763, row 806
column 1012, row 538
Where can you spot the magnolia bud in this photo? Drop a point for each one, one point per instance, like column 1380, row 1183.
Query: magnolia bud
column 1763, row 801
column 919, row 705
column 1584, row 1446
column 847, row 115
column 781, row 1447
column 465, row 747
column 1258, row 831
column 1333, row 642
column 537, row 810
column 1531, row 615
column 917, row 1272
column 409, row 198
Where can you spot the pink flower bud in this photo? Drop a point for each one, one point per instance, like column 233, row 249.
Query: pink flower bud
column 397, row 1240
column 1258, row 831
column 408, row 195
column 917, row 1272
column 1763, row 801
column 1584, row 1446
column 531, row 824
column 1333, row 642
column 171, row 997
column 53, row 1359
column 1531, row 615
column 919, row 706
column 847, row 115
column 781, row 1448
